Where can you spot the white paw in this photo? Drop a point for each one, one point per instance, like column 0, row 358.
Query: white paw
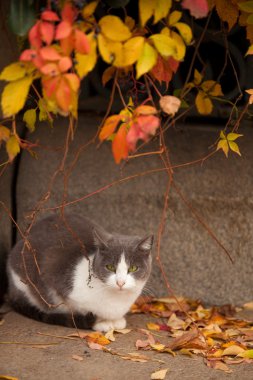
column 110, row 325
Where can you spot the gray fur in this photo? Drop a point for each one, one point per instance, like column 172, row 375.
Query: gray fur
column 59, row 245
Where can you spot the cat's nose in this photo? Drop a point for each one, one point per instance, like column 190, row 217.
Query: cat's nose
column 120, row 283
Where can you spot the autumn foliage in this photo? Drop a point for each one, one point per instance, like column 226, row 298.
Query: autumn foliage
column 65, row 45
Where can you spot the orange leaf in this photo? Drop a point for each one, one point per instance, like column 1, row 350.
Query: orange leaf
column 119, row 145
column 65, row 64
column 50, row 69
column 49, row 85
column 148, row 123
column 63, row 95
column 145, row 110
column 108, row 74
column 97, row 337
column 81, row 42
column 68, row 13
column 34, row 36
column 109, row 126
column 63, row 30
column 73, row 81
column 49, row 53
column 47, row 32
column 49, row 16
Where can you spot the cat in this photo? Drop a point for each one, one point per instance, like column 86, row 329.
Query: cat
column 77, row 274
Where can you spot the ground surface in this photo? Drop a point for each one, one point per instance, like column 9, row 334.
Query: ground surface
column 32, row 362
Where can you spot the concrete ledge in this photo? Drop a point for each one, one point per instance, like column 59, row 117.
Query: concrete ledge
column 220, row 190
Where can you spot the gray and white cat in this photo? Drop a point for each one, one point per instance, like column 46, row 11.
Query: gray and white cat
column 84, row 276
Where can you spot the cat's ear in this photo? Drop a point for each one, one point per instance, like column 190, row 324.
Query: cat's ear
column 146, row 244
column 100, row 239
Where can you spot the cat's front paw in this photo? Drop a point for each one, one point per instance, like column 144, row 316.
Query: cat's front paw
column 105, row 326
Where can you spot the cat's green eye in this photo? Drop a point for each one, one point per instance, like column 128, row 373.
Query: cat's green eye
column 132, row 268
column 111, row 267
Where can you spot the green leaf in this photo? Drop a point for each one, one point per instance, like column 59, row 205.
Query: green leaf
column 14, row 95
column 21, row 16
column 12, row 147
column 30, row 119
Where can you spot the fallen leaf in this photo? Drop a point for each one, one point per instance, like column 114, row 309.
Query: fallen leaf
column 77, row 357
column 123, row 331
column 95, row 346
column 159, row 375
column 4, row 377
column 248, row 305
column 109, row 335
column 217, row 364
column 2, row 322
column 233, row 350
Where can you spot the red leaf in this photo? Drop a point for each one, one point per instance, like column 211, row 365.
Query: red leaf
column 34, row 36
column 49, row 53
column 197, row 8
column 50, row 69
column 28, row 55
column 50, row 85
column 63, row 95
column 73, row 81
column 119, row 145
column 162, row 70
column 68, row 13
column 63, row 30
column 174, row 65
column 47, row 32
column 81, row 42
column 49, row 16
column 65, row 64
column 148, row 123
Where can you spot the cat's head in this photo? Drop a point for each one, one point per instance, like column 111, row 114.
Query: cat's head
column 122, row 262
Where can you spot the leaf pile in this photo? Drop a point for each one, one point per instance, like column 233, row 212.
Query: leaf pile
column 214, row 333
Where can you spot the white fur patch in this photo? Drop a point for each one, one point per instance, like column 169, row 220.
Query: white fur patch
column 105, row 300
column 24, row 288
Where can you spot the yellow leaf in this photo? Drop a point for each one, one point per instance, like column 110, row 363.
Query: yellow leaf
column 114, row 29
column 203, row 103
column 174, row 17
column 157, row 346
column 146, row 10
column 109, row 49
column 30, row 119
column 197, row 77
column 233, row 136
column 129, row 53
column 4, row 133
column 234, row 147
column 250, row 50
column 14, row 71
column 109, row 335
column 180, row 46
column 43, row 115
column 4, row 377
column 86, row 62
column 109, row 126
column 223, row 144
column 246, row 354
column 146, row 61
column 12, row 147
column 165, row 45
column 185, row 31
column 154, row 327
column 89, row 9
column 159, row 375
column 14, row 95
column 233, row 350
column 212, row 88
column 130, row 23
column 162, row 8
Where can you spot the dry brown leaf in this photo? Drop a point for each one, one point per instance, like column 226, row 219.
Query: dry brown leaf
column 248, row 305
column 123, row 331
column 233, row 350
column 77, row 357
column 217, row 364
column 187, row 340
column 109, row 335
column 95, row 346
column 1, row 322
column 175, row 323
column 159, row 375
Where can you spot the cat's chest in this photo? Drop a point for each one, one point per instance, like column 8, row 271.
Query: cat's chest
column 91, row 295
